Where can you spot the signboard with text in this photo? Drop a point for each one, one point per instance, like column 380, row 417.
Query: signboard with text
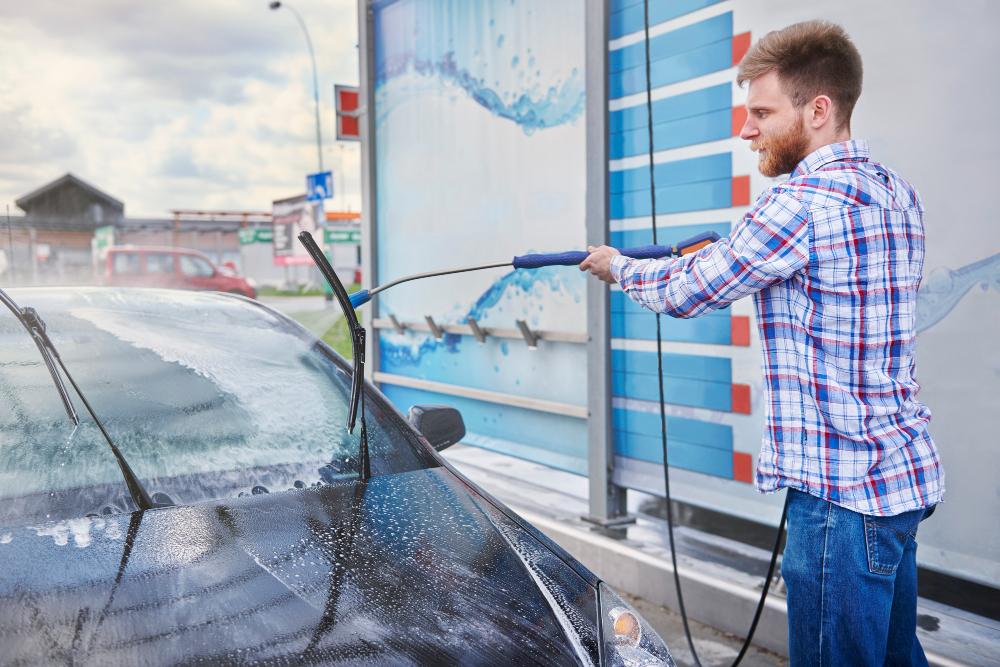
column 288, row 218
column 256, row 235
column 334, row 235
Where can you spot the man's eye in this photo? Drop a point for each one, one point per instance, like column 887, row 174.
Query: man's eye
column 762, row 114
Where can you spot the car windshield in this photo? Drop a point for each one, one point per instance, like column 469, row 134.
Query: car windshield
column 206, row 395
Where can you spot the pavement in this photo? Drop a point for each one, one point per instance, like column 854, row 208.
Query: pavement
column 715, row 648
column 295, row 304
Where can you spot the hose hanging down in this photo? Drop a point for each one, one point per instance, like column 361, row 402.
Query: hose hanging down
column 663, row 410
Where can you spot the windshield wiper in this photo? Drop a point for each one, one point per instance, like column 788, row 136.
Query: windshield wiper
column 29, row 318
column 36, row 328
column 357, row 333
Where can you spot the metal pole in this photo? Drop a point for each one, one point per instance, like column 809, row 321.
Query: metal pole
column 607, row 500
column 369, row 214
column 312, row 55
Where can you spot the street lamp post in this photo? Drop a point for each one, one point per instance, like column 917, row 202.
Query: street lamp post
column 319, row 138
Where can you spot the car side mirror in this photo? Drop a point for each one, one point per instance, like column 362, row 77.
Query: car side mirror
column 442, row 425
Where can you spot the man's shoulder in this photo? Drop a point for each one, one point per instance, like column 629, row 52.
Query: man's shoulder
column 852, row 183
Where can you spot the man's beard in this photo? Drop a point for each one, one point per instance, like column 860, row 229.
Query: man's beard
column 783, row 151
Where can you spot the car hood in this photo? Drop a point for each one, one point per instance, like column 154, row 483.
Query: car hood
column 404, row 569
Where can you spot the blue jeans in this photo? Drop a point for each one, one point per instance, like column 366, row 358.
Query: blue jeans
column 852, row 586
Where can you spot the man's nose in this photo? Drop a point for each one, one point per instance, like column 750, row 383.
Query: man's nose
column 749, row 130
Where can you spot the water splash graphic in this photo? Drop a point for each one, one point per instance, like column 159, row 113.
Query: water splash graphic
column 560, row 104
column 944, row 288
column 526, row 281
column 483, row 48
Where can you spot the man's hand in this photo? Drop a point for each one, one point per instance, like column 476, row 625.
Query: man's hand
column 599, row 263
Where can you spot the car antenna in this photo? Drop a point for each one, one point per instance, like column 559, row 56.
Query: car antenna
column 31, row 321
column 357, row 333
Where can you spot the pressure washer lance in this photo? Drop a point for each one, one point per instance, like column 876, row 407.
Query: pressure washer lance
column 573, row 258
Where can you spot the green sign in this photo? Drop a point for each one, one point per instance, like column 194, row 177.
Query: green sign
column 341, row 235
column 104, row 236
column 256, row 235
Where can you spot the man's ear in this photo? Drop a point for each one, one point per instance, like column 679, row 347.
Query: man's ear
column 819, row 112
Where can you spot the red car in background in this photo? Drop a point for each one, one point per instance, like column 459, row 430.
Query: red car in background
column 135, row 266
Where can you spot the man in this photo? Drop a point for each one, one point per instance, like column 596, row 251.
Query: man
column 833, row 258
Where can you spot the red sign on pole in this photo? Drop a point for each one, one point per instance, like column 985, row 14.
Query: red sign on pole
column 346, row 99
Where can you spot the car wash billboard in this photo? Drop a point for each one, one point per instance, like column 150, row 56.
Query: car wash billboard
column 480, row 156
column 706, row 177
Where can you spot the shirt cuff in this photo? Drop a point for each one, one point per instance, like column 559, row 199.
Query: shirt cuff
column 619, row 269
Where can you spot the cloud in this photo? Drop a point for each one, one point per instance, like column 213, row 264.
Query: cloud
column 172, row 105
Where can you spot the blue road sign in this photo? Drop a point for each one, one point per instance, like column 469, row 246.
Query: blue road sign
column 319, row 186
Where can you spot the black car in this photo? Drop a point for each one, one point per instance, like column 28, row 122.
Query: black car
column 263, row 546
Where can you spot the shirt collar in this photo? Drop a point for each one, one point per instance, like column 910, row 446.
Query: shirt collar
column 855, row 150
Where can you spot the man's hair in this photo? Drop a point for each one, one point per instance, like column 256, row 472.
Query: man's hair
column 811, row 59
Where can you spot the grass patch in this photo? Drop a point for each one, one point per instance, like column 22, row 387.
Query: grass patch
column 318, row 322
column 338, row 338
column 299, row 291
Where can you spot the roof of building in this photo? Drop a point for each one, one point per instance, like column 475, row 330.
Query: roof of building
column 69, row 179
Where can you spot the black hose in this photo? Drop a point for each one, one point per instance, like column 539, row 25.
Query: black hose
column 663, row 410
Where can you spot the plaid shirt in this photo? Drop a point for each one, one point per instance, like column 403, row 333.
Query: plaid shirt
column 833, row 258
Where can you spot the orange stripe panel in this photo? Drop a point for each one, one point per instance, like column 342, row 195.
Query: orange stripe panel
column 741, row 44
column 741, row 398
column 741, row 191
column 742, row 467
column 739, row 330
column 739, row 120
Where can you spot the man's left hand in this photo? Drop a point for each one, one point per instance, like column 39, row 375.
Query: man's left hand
column 599, row 263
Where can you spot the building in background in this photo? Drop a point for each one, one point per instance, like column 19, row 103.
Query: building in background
column 68, row 225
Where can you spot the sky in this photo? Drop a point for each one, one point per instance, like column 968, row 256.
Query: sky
column 187, row 104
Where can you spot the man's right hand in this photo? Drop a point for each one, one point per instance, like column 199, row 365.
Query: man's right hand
column 599, row 263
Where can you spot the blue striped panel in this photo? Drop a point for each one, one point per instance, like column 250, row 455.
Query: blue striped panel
column 678, row 172
column 691, row 444
column 696, row 381
column 701, row 196
column 633, row 238
column 685, row 53
column 679, row 429
column 630, row 320
column 712, row 126
column 713, row 327
column 686, row 105
column 672, row 44
column 680, row 366
column 626, row 16
column 707, row 460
